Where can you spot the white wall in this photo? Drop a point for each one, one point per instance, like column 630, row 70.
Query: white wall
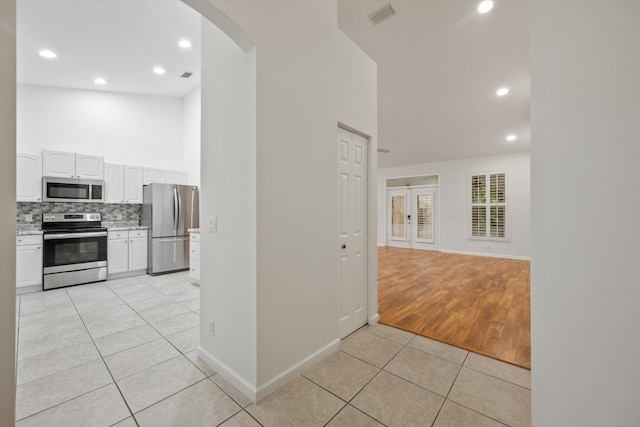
column 270, row 274
column 191, row 135
column 585, row 287
column 228, row 192
column 123, row 128
column 358, row 110
column 7, row 212
column 452, row 203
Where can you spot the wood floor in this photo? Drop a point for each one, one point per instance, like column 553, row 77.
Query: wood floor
column 477, row 303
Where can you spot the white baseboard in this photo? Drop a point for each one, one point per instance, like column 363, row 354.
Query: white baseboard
column 523, row 258
column 374, row 319
column 382, row 244
column 276, row 382
column 28, row 289
column 257, row 394
column 237, row 380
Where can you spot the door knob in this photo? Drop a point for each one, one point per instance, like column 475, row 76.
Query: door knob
column 344, row 246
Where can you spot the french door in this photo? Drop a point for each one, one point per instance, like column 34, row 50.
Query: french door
column 411, row 218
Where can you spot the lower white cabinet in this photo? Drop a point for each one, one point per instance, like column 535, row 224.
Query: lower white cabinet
column 194, row 255
column 127, row 251
column 28, row 262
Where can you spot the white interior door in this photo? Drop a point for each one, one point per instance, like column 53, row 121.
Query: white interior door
column 352, row 241
column 411, row 218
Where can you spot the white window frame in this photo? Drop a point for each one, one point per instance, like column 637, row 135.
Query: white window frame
column 488, row 205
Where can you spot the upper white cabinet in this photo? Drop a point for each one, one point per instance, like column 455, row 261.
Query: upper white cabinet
column 114, row 183
column 29, row 177
column 176, row 177
column 123, row 183
column 151, row 175
column 132, row 184
column 72, row 165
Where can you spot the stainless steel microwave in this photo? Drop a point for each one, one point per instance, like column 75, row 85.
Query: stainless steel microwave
column 56, row 189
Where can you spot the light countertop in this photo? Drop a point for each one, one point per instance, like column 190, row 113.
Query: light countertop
column 193, row 230
column 123, row 226
column 20, row 231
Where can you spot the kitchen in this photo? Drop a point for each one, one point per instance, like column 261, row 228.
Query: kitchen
column 137, row 128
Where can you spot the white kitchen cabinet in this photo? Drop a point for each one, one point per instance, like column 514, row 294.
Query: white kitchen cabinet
column 114, row 183
column 28, row 177
column 90, row 167
column 117, row 255
column 28, row 263
column 175, row 177
column 58, row 163
column 152, row 175
column 127, row 252
column 138, row 247
column 72, row 165
column 194, row 255
column 133, row 184
column 123, row 183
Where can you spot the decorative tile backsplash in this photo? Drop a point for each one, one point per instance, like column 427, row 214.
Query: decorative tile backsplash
column 110, row 211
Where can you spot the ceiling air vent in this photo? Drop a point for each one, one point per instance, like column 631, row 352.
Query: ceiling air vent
column 186, row 75
column 382, row 14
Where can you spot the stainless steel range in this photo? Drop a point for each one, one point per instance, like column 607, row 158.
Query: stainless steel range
column 75, row 249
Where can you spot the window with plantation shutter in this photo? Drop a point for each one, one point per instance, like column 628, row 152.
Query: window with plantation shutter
column 488, row 206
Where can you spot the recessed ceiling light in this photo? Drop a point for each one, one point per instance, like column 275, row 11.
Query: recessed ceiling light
column 159, row 70
column 511, row 138
column 100, row 81
column 47, row 54
column 185, row 44
column 485, row 6
column 502, row 91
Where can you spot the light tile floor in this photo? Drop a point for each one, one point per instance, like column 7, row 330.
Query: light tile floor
column 123, row 353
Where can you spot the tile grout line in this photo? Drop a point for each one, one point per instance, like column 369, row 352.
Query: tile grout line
column 450, row 388
column 103, row 361
column 207, row 377
column 100, row 357
column 71, row 300
column 460, row 404
column 161, row 335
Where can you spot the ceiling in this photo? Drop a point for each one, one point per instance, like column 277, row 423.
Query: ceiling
column 120, row 41
column 440, row 63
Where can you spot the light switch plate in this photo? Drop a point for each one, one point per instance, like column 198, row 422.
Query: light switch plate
column 213, row 224
column 119, row 217
column 28, row 218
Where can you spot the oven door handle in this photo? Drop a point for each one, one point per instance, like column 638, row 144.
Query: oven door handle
column 73, row 235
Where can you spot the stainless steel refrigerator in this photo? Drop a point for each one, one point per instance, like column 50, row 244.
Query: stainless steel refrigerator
column 169, row 211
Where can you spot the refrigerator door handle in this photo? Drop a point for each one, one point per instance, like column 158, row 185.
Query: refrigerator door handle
column 178, row 221
column 175, row 211
column 193, row 202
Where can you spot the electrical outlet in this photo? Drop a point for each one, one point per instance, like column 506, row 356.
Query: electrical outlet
column 28, row 218
column 210, row 327
column 119, row 217
column 213, row 224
